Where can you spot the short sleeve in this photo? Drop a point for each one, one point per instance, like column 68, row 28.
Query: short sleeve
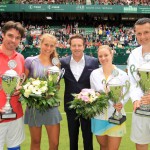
column 28, row 62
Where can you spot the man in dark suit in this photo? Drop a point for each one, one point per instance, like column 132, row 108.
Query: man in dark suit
column 78, row 68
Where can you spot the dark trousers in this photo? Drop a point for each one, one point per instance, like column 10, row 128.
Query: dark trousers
column 73, row 128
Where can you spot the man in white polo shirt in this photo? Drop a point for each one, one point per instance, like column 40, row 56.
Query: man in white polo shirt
column 140, row 132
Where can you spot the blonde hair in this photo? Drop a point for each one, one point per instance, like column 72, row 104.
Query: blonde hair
column 46, row 35
column 105, row 47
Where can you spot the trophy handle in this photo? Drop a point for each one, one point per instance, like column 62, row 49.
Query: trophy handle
column 105, row 85
column 132, row 70
column 62, row 72
column 104, row 82
column 22, row 78
column 127, row 86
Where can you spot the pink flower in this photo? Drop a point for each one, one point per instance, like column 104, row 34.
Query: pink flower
column 85, row 98
column 87, row 95
column 79, row 96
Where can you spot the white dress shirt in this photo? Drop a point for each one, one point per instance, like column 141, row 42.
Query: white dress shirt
column 77, row 67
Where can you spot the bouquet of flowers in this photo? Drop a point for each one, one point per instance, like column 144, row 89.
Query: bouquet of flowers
column 88, row 103
column 40, row 93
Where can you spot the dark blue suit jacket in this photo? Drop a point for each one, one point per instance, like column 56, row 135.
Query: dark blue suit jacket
column 73, row 86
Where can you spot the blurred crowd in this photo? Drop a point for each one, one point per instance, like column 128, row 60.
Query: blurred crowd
column 82, row 2
column 116, row 37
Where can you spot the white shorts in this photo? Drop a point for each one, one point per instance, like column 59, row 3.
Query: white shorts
column 12, row 133
column 140, row 131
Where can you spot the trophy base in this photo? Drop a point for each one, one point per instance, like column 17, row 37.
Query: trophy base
column 142, row 112
column 118, row 122
column 11, row 115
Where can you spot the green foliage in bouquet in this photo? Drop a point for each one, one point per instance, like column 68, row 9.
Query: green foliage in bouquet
column 40, row 93
column 89, row 103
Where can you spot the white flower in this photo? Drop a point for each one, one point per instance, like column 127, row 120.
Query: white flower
column 36, row 82
column 26, row 86
column 30, row 87
column 44, row 82
column 35, row 86
column 85, row 93
column 94, row 98
column 27, row 93
column 35, row 91
column 43, row 89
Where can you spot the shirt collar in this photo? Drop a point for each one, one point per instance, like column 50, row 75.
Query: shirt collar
column 14, row 54
column 81, row 60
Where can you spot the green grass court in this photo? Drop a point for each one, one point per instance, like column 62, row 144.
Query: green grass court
column 126, row 143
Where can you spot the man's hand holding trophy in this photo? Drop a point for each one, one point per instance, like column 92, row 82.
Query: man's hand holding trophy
column 146, row 99
column 116, row 91
column 10, row 81
column 142, row 107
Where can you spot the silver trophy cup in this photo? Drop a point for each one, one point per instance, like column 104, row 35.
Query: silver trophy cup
column 143, row 80
column 114, row 88
column 10, row 80
column 55, row 72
